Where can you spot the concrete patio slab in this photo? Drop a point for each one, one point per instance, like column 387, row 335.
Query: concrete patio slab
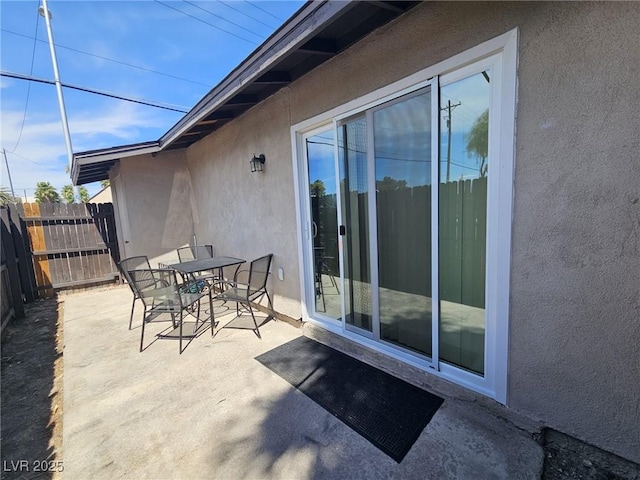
column 215, row 412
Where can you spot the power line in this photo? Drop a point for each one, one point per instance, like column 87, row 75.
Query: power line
column 110, row 59
column 207, row 23
column 96, row 92
column 25, row 158
column 265, row 11
column 246, row 14
column 229, row 21
column 26, row 103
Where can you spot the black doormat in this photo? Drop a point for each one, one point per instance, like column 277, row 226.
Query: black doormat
column 385, row 410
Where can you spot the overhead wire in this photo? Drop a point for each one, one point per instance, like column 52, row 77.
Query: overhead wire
column 221, row 17
column 26, row 103
column 111, row 59
column 246, row 14
column 97, row 92
column 253, row 4
column 205, row 22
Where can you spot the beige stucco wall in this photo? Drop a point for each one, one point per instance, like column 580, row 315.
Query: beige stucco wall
column 158, row 198
column 575, row 290
column 575, row 302
column 248, row 214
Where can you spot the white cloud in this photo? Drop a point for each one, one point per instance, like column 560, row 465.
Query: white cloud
column 41, row 154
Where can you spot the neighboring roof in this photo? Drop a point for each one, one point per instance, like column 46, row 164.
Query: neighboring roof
column 315, row 33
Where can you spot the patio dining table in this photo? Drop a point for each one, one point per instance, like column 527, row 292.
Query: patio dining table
column 206, row 264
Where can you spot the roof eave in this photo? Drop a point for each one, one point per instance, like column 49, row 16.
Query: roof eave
column 104, row 156
column 299, row 28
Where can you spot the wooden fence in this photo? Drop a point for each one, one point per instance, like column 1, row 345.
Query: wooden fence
column 71, row 244
column 52, row 246
column 17, row 283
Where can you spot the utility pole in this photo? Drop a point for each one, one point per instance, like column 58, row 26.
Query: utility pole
column 449, row 108
column 13, row 194
column 44, row 11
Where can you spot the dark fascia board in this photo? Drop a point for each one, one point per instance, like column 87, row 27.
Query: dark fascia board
column 89, row 158
column 300, row 28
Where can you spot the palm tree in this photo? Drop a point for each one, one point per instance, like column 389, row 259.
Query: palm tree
column 5, row 196
column 84, row 194
column 67, row 194
column 45, row 192
column 478, row 141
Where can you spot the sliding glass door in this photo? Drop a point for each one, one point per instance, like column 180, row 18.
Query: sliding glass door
column 397, row 215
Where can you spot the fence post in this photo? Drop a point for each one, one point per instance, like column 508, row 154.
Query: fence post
column 23, row 253
column 12, row 264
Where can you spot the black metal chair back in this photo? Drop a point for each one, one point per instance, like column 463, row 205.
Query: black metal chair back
column 133, row 263
column 125, row 266
column 252, row 291
column 258, row 274
column 195, row 252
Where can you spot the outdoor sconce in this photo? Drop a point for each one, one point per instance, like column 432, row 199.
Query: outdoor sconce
column 257, row 163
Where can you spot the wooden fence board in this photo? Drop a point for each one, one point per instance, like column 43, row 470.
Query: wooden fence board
column 10, row 282
column 23, row 252
column 68, row 244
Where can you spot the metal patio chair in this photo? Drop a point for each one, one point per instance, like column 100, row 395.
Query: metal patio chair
column 251, row 292
column 133, row 263
column 161, row 294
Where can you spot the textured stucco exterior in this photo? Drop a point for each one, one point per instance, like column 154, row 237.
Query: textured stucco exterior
column 158, row 202
column 248, row 214
column 574, row 325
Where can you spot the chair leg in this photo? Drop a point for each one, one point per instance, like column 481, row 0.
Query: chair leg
column 213, row 322
column 271, row 312
column 144, row 321
column 254, row 321
column 197, row 317
column 181, row 314
column 133, row 306
column 320, row 290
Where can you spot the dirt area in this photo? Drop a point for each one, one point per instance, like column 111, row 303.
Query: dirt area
column 569, row 459
column 31, row 393
column 32, row 409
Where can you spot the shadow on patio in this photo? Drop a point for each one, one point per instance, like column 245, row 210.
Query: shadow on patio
column 215, row 412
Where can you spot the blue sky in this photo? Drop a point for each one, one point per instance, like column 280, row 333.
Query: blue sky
column 402, row 137
column 138, row 49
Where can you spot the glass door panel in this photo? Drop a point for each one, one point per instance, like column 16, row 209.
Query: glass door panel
column 464, row 155
column 354, row 196
column 402, row 144
column 324, row 223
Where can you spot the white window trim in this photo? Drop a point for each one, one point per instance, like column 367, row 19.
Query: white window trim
column 505, row 48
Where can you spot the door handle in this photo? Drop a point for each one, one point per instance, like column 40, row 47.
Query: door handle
column 342, row 230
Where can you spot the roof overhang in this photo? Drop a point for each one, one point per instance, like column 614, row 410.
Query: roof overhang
column 318, row 31
column 94, row 165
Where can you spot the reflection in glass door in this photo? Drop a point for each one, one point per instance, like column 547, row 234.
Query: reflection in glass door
column 354, row 196
column 464, row 172
column 324, row 223
column 402, row 139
